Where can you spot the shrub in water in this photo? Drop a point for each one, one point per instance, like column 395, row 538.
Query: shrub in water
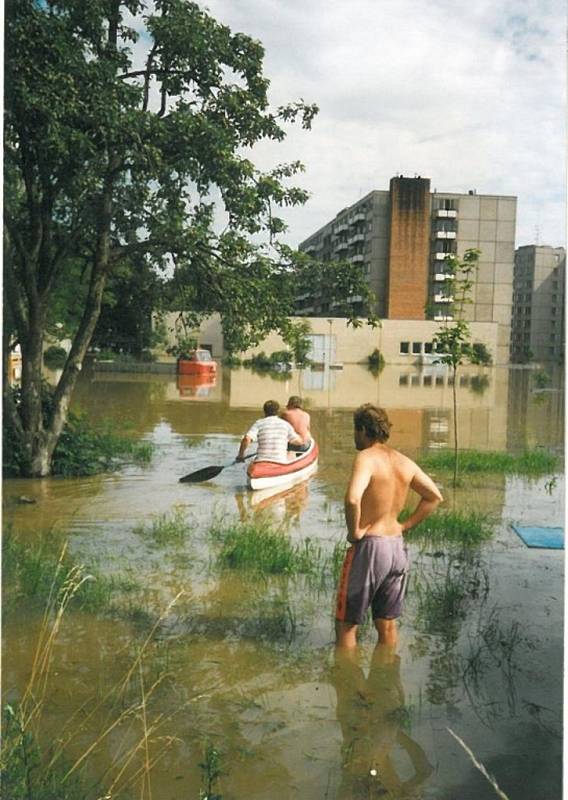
column 257, row 546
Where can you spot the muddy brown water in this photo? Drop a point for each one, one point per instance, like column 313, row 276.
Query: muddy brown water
column 248, row 664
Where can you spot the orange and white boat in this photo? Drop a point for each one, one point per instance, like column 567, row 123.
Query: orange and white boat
column 269, row 474
column 197, row 362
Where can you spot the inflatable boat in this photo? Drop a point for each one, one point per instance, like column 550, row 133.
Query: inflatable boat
column 270, row 474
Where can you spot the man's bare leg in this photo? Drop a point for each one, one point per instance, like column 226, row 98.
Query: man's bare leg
column 345, row 634
column 387, row 630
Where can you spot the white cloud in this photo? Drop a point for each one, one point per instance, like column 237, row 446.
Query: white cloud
column 470, row 94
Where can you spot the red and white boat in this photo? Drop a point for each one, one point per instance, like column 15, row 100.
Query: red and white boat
column 269, row 474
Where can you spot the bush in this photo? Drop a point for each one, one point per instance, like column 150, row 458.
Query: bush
column 541, row 379
column 55, row 357
column 480, row 354
column 376, row 361
column 260, row 362
column 231, row 361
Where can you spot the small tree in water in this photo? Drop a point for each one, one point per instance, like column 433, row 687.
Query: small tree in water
column 453, row 341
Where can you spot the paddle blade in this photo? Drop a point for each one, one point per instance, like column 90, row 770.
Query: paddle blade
column 201, row 475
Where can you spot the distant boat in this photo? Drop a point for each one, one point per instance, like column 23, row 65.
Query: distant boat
column 196, row 362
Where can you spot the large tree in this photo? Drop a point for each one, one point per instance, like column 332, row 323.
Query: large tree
column 128, row 138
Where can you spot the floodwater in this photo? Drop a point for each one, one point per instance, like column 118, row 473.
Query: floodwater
column 248, row 665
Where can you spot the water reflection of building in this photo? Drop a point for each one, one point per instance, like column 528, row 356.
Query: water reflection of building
column 419, row 399
column 535, row 416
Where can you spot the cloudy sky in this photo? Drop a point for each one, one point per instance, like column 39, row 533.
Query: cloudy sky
column 470, row 93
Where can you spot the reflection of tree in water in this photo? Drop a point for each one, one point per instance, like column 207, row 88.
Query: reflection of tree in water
column 375, row 725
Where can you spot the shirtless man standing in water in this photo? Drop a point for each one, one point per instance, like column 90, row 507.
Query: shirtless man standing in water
column 376, row 565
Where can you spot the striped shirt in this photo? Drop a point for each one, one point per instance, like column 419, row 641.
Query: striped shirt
column 272, row 434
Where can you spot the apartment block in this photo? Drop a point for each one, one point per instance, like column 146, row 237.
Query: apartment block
column 401, row 238
column 539, row 282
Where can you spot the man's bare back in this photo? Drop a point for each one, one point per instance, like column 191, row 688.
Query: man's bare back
column 380, row 480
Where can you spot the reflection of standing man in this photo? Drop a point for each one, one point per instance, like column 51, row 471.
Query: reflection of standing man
column 372, row 714
column 300, row 421
column 376, row 565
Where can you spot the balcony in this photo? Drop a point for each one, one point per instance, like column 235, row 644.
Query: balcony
column 443, row 256
column 443, row 276
column 311, row 248
column 445, row 234
column 358, row 237
column 443, row 298
column 342, row 228
column 358, row 217
column 446, row 213
column 443, row 318
column 341, row 246
column 357, row 259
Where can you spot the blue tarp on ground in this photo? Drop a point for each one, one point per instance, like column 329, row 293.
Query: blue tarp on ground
column 533, row 536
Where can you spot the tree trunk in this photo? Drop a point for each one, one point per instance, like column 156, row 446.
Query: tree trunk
column 455, row 398
column 34, row 439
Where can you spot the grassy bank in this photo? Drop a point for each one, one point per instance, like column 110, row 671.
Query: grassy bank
column 530, row 462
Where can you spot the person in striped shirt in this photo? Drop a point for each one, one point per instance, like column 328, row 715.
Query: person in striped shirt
column 273, row 435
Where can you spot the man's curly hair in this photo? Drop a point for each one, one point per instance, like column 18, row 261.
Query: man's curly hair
column 374, row 421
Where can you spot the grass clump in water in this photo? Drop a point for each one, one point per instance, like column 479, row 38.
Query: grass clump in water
column 530, row 462
column 35, row 571
column 256, row 545
column 452, row 527
column 167, row 528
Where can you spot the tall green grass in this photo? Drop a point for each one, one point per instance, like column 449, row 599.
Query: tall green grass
column 34, row 571
column 167, row 528
column 466, row 528
column 530, row 462
column 258, row 546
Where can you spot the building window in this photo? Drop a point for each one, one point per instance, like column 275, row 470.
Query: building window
column 439, row 380
column 427, row 380
column 416, row 348
column 405, row 348
column 415, row 380
column 446, row 204
column 403, row 380
column 428, row 347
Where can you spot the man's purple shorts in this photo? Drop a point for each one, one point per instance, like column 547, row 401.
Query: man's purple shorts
column 374, row 574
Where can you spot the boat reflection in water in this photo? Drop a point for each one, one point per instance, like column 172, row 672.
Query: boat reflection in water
column 378, row 757
column 196, row 387
column 280, row 504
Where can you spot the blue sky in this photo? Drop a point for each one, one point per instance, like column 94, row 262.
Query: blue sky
column 470, row 94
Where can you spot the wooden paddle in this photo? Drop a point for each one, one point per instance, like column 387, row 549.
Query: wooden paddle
column 206, row 473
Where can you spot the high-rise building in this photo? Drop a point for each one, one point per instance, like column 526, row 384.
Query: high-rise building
column 537, row 332
column 401, row 238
